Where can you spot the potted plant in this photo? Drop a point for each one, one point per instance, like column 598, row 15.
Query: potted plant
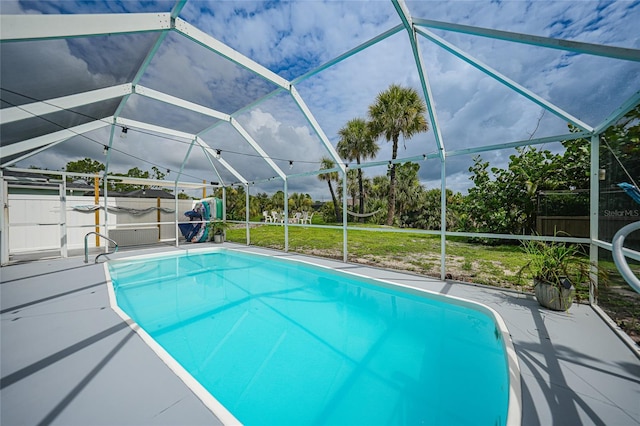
column 557, row 269
column 217, row 230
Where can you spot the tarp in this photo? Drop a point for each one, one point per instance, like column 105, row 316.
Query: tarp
column 631, row 190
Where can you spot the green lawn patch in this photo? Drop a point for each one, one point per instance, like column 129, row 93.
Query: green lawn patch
column 493, row 265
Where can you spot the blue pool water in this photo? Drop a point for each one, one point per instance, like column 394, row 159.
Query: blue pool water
column 280, row 342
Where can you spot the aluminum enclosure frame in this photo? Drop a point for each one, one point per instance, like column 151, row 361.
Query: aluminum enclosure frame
column 17, row 28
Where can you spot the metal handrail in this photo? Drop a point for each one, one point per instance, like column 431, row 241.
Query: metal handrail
column 86, row 246
column 618, row 255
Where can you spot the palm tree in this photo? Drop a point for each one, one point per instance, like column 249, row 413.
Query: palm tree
column 408, row 189
column 294, row 201
column 352, row 187
column 277, row 200
column 380, row 188
column 356, row 143
column 397, row 111
column 299, row 201
column 328, row 163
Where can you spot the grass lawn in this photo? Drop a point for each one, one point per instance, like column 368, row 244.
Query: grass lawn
column 420, row 253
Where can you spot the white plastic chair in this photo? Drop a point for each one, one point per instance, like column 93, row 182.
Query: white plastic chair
column 267, row 216
column 277, row 217
column 306, row 218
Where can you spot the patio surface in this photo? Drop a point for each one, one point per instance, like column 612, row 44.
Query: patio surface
column 68, row 359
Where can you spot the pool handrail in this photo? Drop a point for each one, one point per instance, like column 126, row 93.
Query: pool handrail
column 618, row 255
column 86, row 247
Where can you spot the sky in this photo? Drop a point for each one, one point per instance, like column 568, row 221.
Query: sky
column 294, row 38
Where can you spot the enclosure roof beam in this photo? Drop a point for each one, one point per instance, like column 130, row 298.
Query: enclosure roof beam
column 55, row 137
column 154, row 182
column 112, row 132
column 186, row 157
column 177, row 8
column 207, row 156
column 311, row 173
column 401, row 9
column 125, row 122
column 504, row 80
column 396, row 161
column 621, row 111
column 221, row 160
column 149, row 57
column 428, row 95
column 229, row 167
column 548, row 42
column 56, row 173
column 207, row 41
column 213, row 166
column 44, row 27
column 236, row 125
column 315, row 71
column 30, row 153
column 316, row 127
column 527, row 142
column 122, row 179
column 348, row 54
column 49, row 106
column 244, row 109
column 172, row 100
column 184, row 161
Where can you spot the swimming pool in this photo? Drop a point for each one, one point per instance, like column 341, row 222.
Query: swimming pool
column 283, row 342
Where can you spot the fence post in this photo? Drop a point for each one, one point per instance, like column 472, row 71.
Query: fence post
column 63, row 218
column 4, row 221
column 96, row 201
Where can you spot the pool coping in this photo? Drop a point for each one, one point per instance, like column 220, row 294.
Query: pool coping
column 514, row 408
column 216, row 407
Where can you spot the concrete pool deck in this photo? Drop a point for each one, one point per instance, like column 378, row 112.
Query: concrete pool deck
column 67, row 358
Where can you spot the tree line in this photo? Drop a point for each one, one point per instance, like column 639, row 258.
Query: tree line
column 500, row 200
column 89, row 166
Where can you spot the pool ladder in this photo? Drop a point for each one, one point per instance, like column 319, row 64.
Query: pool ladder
column 86, row 246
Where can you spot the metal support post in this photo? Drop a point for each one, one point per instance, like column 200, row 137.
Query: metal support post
column 345, row 248
column 443, row 218
column 594, row 196
column 248, row 216
column 286, row 216
column 63, row 218
column 4, row 221
column 175, row 213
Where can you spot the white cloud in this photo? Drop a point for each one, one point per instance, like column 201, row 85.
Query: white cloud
column 294, row 37
column 284, row 141
column 259, row 120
